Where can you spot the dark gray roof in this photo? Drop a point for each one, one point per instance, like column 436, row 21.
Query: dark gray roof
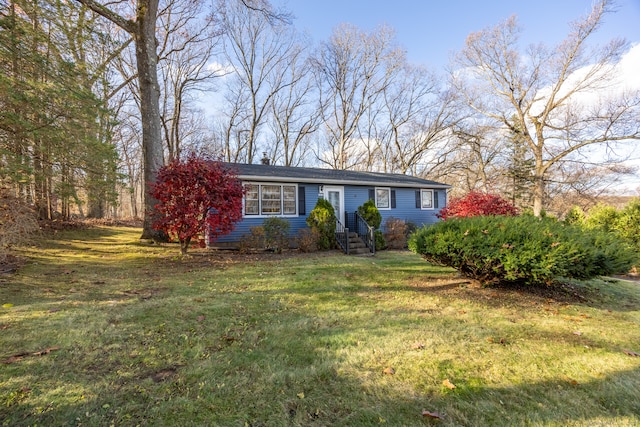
column 329, row 176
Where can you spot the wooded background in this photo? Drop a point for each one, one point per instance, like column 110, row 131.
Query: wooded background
column 95, row 97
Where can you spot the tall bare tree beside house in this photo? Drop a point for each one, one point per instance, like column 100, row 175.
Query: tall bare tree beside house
column 353, row 69
column 142, row 27
column 257, row 45
column 188, row 39
column 294, row 113
column 553, row 96
column 419, row 115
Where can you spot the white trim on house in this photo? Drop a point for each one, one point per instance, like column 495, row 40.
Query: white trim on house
column 427, row 206
column 377, row 201
column 284, row 179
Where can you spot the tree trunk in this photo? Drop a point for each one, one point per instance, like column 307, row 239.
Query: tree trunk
column 147, row 61
column 184, row 245
column 538, row 194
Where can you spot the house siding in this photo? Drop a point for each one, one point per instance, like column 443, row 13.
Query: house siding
column 354, row 196
column 359, row 186
column 295, row 223
column 405, row 206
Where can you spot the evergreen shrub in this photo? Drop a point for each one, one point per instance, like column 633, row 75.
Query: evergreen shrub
column 521, row 249
column 322, row 219
column 276, row 233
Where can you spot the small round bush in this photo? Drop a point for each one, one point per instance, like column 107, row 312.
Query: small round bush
column 322, row 219
column 380, row 241
column 370, row 213
column 276, row 232
column 575, row 216
column 395, row 233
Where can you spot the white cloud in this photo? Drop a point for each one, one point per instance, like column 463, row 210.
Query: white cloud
column 627, row 68
column 221, row 70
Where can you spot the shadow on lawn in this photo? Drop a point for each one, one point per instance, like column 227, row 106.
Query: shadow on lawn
column 298, row 396
column 603, row 401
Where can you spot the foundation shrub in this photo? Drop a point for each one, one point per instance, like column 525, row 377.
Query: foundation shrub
column 322, row 219
column 395, row 233
column 307, row 240
column 276, row 234
column 254, row 241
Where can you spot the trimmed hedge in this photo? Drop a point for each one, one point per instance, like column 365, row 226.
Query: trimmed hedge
column 521, row 249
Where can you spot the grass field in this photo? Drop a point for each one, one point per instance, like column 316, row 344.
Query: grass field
column 99, row 330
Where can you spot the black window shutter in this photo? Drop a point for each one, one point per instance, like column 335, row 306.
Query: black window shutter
column 418, row 202
column 301, row 202
column 372, row 194
column 393, row 199
column 435, row 199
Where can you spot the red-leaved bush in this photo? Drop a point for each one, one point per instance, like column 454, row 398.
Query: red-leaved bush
column 477, row 203
column 194, row 194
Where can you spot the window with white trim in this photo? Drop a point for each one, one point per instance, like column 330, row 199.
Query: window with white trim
column 383, row 198
column 270, row 199
column 426, row 197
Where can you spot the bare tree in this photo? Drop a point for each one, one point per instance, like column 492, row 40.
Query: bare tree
column 257, row 45
column 187, row 46
column 420, row 116
column 474, row 165
column 555, row 95
column 352, row 69
column 294, row 113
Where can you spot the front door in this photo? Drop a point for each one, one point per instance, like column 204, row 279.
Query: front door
column 335, row 196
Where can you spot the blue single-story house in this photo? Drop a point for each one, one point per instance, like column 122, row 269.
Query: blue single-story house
column 292, row 192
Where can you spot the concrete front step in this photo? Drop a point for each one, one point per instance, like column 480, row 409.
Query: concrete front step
column 357, row 246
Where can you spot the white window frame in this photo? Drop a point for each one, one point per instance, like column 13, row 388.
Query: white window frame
column 388, row 190
column 280, row 214
column 422, row 199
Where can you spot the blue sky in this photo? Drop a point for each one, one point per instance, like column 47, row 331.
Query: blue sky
column 431, row 30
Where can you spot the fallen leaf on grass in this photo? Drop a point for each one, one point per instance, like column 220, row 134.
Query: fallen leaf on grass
column 572, row 381
column 631, row 353
column 430, row 414
column 163, row 374
column 448, row 384
column 300, row 395
column 15, row 358
column 389, row 371
column 45, row 351
column 18, row 357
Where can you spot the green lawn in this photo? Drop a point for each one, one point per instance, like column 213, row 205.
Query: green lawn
column 99, row 330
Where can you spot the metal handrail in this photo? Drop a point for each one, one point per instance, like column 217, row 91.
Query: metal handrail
column 342, row 236
column 365, row 232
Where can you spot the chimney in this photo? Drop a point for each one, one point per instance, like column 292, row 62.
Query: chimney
column 265, row 159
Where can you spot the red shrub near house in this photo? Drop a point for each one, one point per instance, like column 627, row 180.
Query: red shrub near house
column 477, row 203
column 196, row 195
